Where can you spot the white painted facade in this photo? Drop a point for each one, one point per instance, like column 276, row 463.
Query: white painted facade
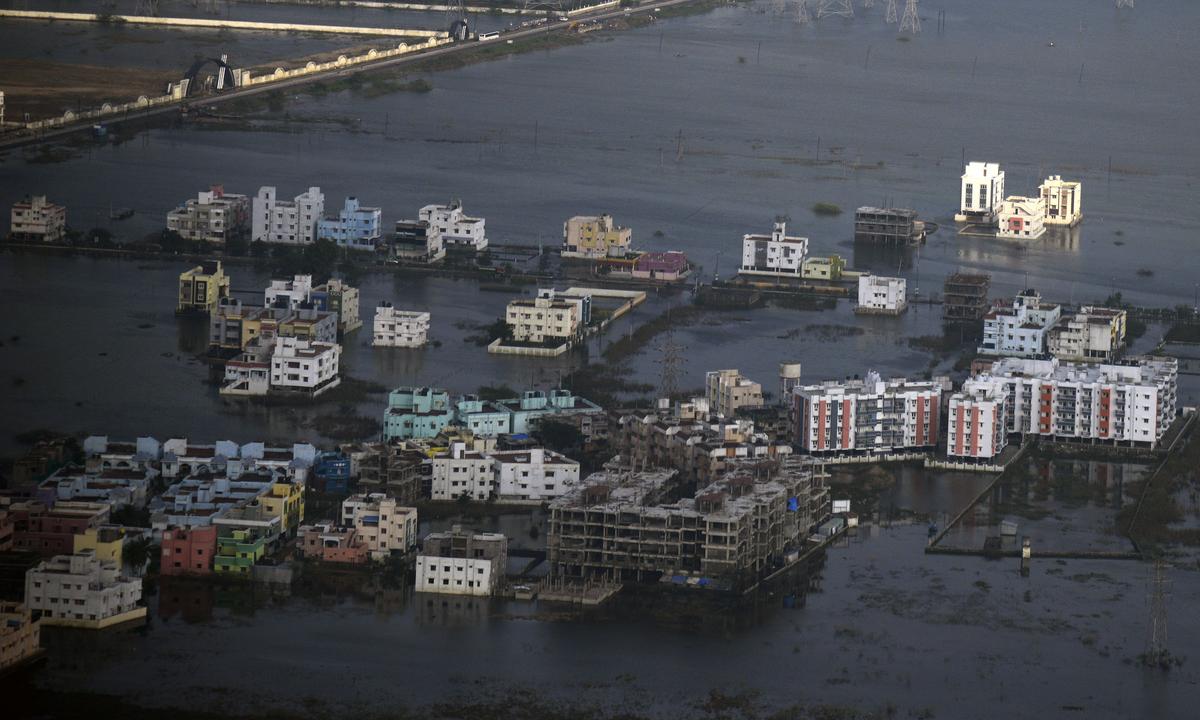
column 462, row 563
column 776, row 254
column 878, row 294
column 871, row 414
column 383, row 525
column 296, row 291
column 533, row 475
column 399, row 328
column 540, row 319
column 1063, row 201
column 1021, row 218
column 1090, row 335
column 459, row 471
column 81, row 590
column 1021, row 330
column 981, row 193
column 38, row 219
column 455, row 227
column 303, row 365
column 977, row 419
column 287, row 222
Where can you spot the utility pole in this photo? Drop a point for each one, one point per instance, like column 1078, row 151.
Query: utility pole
column 1156, row 649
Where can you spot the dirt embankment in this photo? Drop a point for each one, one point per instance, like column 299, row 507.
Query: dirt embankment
column 47, row 89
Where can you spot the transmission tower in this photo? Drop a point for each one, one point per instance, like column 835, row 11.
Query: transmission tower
column 868, row 4
column 148, row 8
column 803, row 16
column 1124, row 3
column 890, row 16
column 671, row 359
column 1156, row 650
column 911, row 22
column 835, row 8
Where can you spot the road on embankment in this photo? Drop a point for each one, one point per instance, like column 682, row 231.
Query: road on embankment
column 17, row 139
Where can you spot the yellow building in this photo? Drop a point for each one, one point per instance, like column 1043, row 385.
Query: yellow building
column 106, row 541
column 202, row 287
column 286, row 502
column 823, row 268
column 593, row 237
column 20, row 635
column 238, row 550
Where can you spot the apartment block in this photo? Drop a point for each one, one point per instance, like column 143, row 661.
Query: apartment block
column 1094, row 334
column 416, row 241
column 1021, row 218
column 213, row 216
column 392, row 468
column 326, row 542
column 355, row 226
column 202, row 288
column 532, row 476
column 383, row 525
column 887, row 226
column 977, row 420
column 459, row 562
column 458, row 230
column 188, row 551
column 399, row 328
column 981, row 194
column 304, row 367
column 1020, row 330
column 879, row 295
column 546, row 319
column 775, row 255
column 238, row 549
column 965, row 298
column 36, row 219
column 1063, row 200
column 416, row 412
column 81, row 591
column 299, row 293
column 592, row 237
column 51, row 531
column 287, row 222
column 20, row 636
column 728, row 391
column 460, row 471
column 233, row 326
column 870, row 415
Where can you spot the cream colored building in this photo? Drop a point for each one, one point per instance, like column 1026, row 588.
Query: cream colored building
column 594, row 237
column 729, row 390
column 544, row 320
column 880, row 295
column 202, row 288
column 381, row 523
column 399, row 328
column 1094, row 334
column 1063, row 199
column 38, row 219
column 20, row 635
column 1021, row 218
column 81, row 591
column 459, row 562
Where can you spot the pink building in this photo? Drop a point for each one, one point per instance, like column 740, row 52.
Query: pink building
column 665, row 266
column 188, row 551
column 327, row 543
column 51, row 531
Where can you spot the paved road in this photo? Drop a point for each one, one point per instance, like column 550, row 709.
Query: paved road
column 18, row 139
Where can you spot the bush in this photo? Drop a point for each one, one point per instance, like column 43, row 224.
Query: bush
column 826, row 209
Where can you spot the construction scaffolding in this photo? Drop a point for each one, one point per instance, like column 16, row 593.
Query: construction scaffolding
column 965, row 298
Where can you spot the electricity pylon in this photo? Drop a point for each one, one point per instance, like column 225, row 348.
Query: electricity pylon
column 1124, row 3
column 803, row 16
column 890, row 16
column 835, row 8
column 911, row 22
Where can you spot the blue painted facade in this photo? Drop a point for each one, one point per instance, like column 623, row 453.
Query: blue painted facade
column 416, row 413
column 332, row 471
column 354, row 227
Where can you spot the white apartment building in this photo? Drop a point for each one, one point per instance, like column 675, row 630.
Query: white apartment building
column 1094, row 334
column 533, row 475
column 977, row 418
column 455, row 227
column 462, row 563
column 399, row 328
column 729, row 390
column 459, row 472
column 81, row 591
column 545, row 319
column 1129, row 404
column 287, row 222
column 37, row 219
column 301, row 365
column 775, row 254
column 383, row 525
column 1021, row 218
column 982, row 192
column 1020, row 330
column 213, row 216
column 594, row 237
column 880, row 295
column 869, row 415
column 295, row 291
column 1063, row 201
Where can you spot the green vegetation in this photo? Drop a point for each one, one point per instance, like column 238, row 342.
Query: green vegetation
column 1188, row 332
column 633, row 343
column 495, row 392
column 1149, row 521
column 826, row 209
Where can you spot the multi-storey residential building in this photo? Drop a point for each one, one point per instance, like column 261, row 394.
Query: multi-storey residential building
column 303, row 366
column 20, row 636
column 355, row 227
column 234, row 326
column 887, row 226
column 869, row 415
column 623, row 524
column 459, row 562
column 547, row 319
column 37, row 220
column 1020, row 330
column 383, row 525
column 287, row 222
column 336, row 296
column 416, row 241
column 460, row 471
column 238, row 549
column 534, row 475
column 326, row 542
column 1063, row 200
column 593, row 237
column 114, row 487
column 879, row 295
column 977, row 420
column 416, row 412
column 775, row 255
column 396, row 469
column 982, row 192
column 965, row 298
column 1130, row 403
column 399, row 328
column 202, row 288
column 1094, row 334
column 213, row 216
column 188, row 551
column 51, row 531
column 290, row 294
column 456, row 228
column 728, row 391
column 1021, row 218
column 81, row 591
column 106, row 542
column 533, row 406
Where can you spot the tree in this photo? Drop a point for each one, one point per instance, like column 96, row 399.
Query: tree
column 237, row 246
column 259, row 249
column 320, row 259
column 559, row 436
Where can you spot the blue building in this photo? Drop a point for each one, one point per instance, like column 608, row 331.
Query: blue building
column 332, row 473
column 482, row 417
column 416, row 413
column 355, row 227
column 535, row 404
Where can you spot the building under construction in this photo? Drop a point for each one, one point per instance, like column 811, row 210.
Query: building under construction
column 623, row 525
column 888, row 226
column 965, row 298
